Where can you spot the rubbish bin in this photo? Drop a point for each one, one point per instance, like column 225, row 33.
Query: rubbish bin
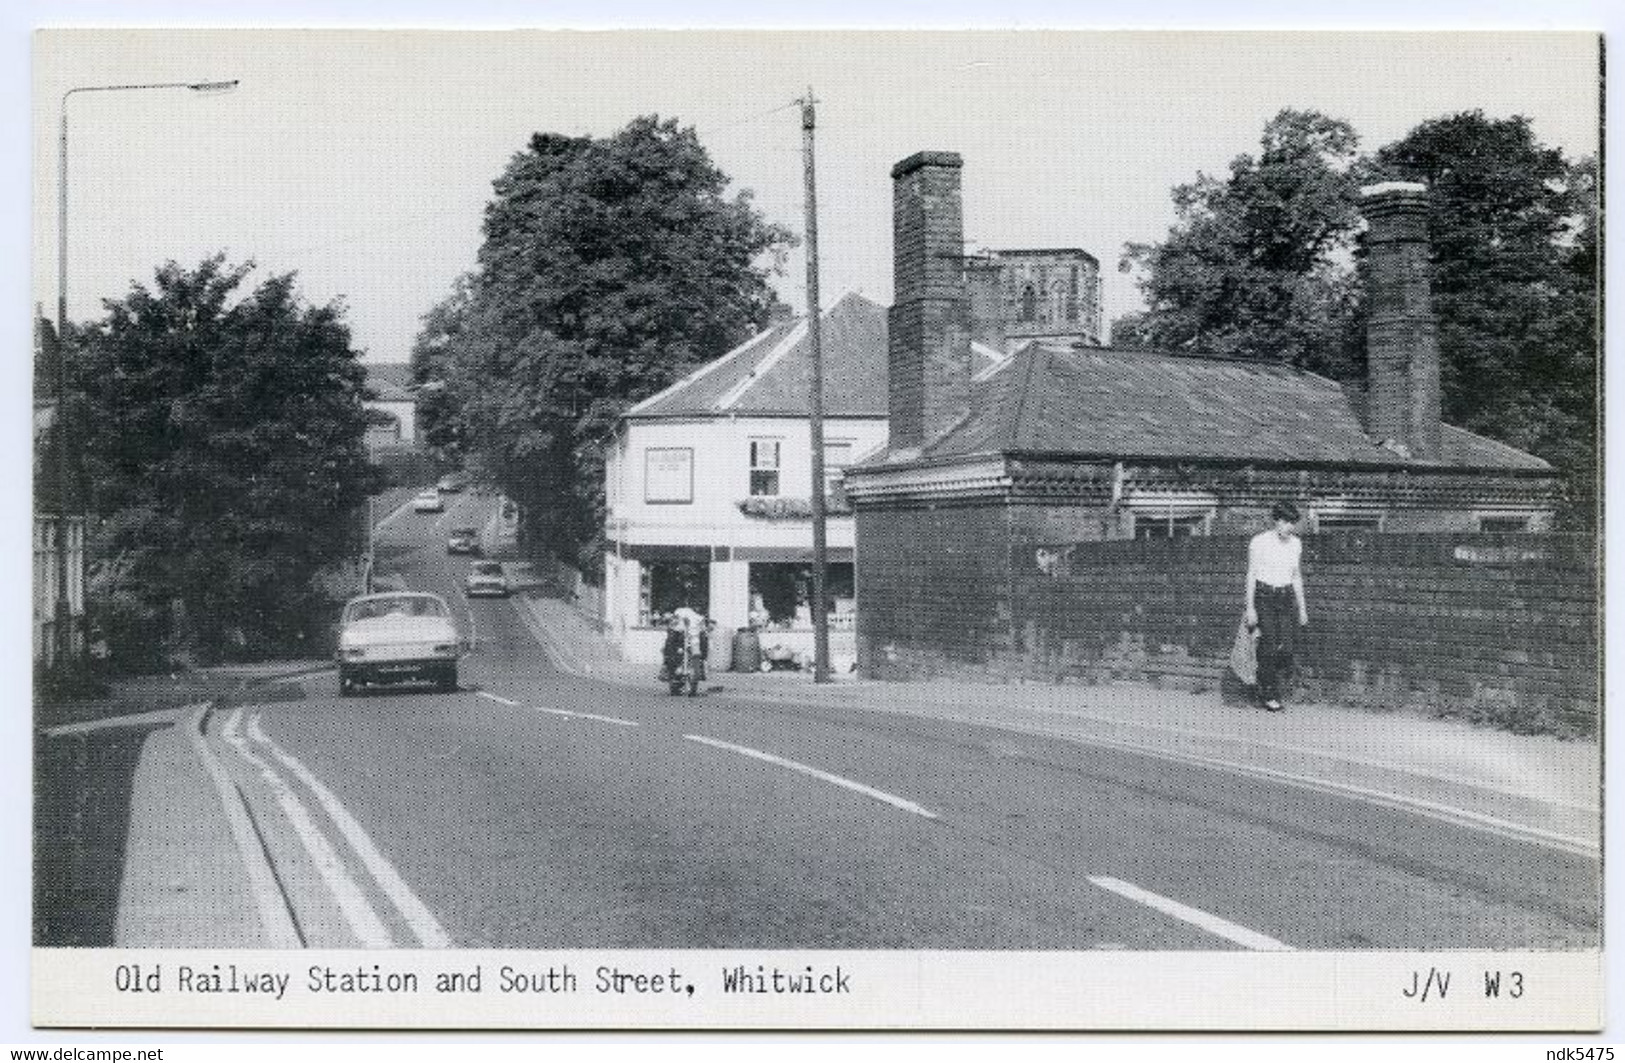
column 747, row 655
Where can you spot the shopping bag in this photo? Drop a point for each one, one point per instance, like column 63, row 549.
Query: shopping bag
column 1244, row 654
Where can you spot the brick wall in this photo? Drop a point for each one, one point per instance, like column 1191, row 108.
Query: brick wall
column 1500, row 628
column 933, row 591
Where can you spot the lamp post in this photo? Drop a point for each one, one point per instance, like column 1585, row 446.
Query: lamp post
column 64, row 615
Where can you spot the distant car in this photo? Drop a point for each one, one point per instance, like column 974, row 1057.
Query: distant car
column 485, row 578
column 463, row 541
column 398, row 637
column 428, row 501
column 452, row 483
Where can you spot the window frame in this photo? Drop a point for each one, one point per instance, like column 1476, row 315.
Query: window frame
column 756, row 467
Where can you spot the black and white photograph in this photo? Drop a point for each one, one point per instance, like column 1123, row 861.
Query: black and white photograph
column 813, row 529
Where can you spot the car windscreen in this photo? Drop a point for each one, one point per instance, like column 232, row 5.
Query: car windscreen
column 462, row 533
column 488, row 568
column 395, row 605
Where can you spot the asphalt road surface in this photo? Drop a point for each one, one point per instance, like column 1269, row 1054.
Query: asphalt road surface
column 534, row 809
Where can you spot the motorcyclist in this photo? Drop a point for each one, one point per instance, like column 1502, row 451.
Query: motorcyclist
column 684, row 623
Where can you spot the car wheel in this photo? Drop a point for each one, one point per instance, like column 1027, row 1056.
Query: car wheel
column 346, row 686
column 448, row 678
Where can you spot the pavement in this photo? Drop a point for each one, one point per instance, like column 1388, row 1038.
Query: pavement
column 185, row 881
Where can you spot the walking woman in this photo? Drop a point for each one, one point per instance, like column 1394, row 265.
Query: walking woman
column 1275, row 603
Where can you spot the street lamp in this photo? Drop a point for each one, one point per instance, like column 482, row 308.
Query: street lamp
column 64, row 618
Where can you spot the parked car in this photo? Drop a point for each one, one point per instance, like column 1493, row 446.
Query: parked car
column 428, row 501
column 463, row 541
column 398, row 637
column 453, row 482
column 486, row 578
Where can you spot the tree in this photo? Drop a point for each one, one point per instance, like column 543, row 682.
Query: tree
column 610, row 268
column 223, row 442
column 1514, row 228
column 432, row 367
column 1258, row 263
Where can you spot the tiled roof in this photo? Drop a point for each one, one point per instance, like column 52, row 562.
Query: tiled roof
column 1140, row 404
column 770, row 374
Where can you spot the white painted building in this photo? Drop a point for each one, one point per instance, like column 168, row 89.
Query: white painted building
column 389, row 392
column 709, row 489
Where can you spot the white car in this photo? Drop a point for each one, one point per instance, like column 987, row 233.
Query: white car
column 428, row 501
column 398, row 637
column 486, row 578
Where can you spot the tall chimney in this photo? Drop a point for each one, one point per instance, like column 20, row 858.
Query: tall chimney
column 1402, row 346
column 929, row 351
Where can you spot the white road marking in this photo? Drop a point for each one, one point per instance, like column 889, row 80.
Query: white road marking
column 425, row 926
column 589, row 716
column 363, row 921
column 488, row 696
column 807, row 769
column 1195, row 916
column 268, row 898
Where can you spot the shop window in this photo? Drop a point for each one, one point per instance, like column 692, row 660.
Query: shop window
column 764, row 467
column 781, row 595
column 666, row 586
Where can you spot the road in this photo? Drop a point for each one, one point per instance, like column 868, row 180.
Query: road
column 536, row 809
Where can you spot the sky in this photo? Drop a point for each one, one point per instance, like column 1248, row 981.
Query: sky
column 363, row 160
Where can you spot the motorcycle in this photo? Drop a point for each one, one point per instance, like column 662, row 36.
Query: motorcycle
column 686, row 662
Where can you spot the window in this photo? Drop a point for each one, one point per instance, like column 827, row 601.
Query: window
column 666, row 586
column 1502, row 522
column 1148, row 526
column 1345, row 521
column 837, row 456
column 781, row 595
column 1343, row 514
column 1029, row 304
column 1169, row 513
column 668, row 475
column 764, row 467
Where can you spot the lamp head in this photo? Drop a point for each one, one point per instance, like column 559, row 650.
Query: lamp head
column 214, row 86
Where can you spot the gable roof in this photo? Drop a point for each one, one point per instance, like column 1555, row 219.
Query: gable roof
column 770, row 374
column 1104, row 402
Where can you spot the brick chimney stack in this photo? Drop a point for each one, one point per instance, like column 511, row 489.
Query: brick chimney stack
column 1401, row 342
column 929, row 358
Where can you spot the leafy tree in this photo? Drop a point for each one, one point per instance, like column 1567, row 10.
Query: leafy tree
column 1257, row 264
column 610, row 268
column 223, row 441
column 432, row 367
column 1514, row 229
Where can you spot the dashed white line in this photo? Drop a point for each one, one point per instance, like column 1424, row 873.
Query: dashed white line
column 352, row 902
column 1251, row 939
column 425, row 926
column 807, row 769
column 488, row 696
column 589, row 716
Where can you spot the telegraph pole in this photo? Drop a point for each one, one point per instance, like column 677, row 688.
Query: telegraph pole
column 820, row 604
